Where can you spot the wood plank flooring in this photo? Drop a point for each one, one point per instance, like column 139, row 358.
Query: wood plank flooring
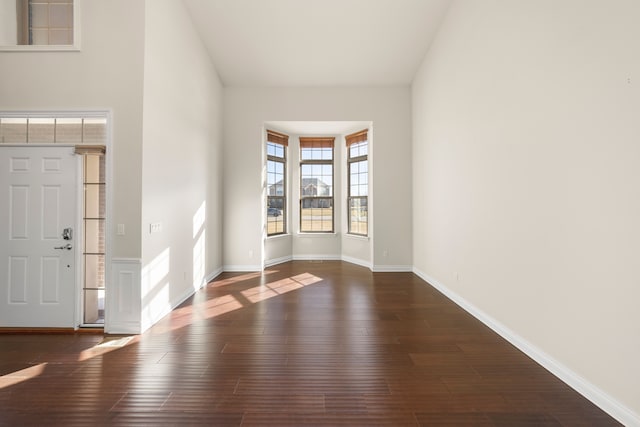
column 304, row 343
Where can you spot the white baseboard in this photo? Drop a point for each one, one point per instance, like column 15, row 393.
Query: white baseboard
column 351, row 260
column 277, row 261
column 316, row 257
column 150, row 320
column 607, row 403
column 356, row 261
column 123, row 328
column 392, row 269
column 211, row 276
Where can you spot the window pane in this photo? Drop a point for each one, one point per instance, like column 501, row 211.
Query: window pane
column 95, row 131
column 276, row 188
column 316, row 153
column 305, row 170
column 69, row 130
column 94, row 236
column 94, row 169
column 275, row 215
column 359, row 149
column 358, row 189
column 60, row 37
column 39, row 15
column 94, row 271
column 61, row 15
column 40, row 36
column 13, row 130
column 94, row 201
column 355, row 167
column 275, row 150
column 94, row 306
column 358, row 216
column 41, row 130
column 316, row 215
column 316, row 188
column 316, row 185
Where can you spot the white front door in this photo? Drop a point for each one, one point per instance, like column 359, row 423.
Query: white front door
column 37, row 264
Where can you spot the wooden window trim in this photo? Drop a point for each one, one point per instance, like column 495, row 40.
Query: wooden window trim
column 277, row 137
column 316, row 142
column 356, row 137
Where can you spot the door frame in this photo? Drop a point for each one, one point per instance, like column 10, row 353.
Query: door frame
column 85, row 114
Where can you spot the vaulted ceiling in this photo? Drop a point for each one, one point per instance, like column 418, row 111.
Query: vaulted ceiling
column 256, row 43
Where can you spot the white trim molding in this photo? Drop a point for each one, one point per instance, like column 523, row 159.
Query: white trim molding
column 601, row 399
column 356, row 261
column 317, row 258
column 276, row 261
column 211, row 276
column 344, row 258
column 382, row 268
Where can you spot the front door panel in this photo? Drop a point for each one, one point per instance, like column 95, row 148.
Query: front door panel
column 37, row 265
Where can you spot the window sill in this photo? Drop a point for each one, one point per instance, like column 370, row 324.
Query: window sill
column 317, row 234
column 278, row 236
column 357, row 236
column 40, row 48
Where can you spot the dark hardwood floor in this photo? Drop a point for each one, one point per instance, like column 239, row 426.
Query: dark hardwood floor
column 320, row 343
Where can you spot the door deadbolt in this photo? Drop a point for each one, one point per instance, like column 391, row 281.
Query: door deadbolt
column 67, row 233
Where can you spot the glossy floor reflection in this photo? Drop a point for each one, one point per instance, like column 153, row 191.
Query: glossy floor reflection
column 325, row 343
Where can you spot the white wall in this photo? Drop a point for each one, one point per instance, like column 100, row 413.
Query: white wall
column 526, row 122
column 106, row 74
column 181, row 173
column 247, row 109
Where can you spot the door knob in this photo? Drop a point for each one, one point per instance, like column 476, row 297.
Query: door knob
column 67, row 246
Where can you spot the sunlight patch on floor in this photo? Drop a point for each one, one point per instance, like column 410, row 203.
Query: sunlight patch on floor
column 107, row 345
column 279, row 287
column 241, row 278
column 22, row 375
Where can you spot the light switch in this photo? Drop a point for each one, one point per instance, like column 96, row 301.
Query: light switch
column 120, row 231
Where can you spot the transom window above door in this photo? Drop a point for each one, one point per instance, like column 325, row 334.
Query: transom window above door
column 50, row 130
